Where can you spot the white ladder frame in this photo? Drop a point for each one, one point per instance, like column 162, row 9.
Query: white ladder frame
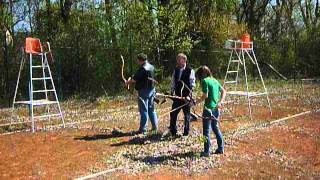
column 242, row 49
column 31, row 103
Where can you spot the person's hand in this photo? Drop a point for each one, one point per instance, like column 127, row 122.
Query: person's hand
column 193, row 102
column 172, row 92
column 219, row 105
column 127, row 82
column 190, row 100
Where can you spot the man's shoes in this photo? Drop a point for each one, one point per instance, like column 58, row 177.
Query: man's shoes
column 141, row 132
column 218, row 152
column 185, row 134
column 154, row 131
column 204, row 154
column 173, row 133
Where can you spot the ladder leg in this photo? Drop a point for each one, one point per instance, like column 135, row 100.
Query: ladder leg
column 269, row 104
column 264, row 86
column 225, row 77
column 31, row 118
column 45, row 83
column 237, row 75
column 233, row 106
column 17, row 86
column 55, row 92
column 245, row 74
column 238, row 57
column 31, row 96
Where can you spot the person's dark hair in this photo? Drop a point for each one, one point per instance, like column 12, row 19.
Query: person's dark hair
column 142, row 57
column 203, row 72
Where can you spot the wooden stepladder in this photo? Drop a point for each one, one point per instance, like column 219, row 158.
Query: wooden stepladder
column 241, row 52
column 41, row 88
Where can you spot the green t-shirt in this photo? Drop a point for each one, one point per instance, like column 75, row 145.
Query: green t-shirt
column 212, row 87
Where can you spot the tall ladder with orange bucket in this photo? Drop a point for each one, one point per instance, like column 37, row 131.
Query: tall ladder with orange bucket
column 43, row 94
column 240, row 51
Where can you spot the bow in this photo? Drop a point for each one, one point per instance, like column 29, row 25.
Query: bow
column 122, row 72
column 184, row 86
column 193, row 103
column 187, row 101
column 169, row 96
column 162, row 115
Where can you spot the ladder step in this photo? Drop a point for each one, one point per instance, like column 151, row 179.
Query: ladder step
column 43, row 78
column 230, row 82
column 47, row 115
column 45, row 102
column 37, row 102
column 235, row 61
column 38, row 66
column 244, row 93
column 48, row 90
column 232, row 71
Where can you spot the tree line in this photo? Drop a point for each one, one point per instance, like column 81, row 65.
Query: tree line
column 88, row 36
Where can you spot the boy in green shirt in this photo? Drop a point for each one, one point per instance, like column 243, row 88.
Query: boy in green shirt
column 211, row 90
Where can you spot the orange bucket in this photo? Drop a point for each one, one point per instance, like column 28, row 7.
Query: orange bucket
column 246, row 39
column 33, row 45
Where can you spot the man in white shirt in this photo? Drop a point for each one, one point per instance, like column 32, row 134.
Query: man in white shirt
column 183, row 81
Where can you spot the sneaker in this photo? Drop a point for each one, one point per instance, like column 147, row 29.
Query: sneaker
column 174, row 136
column 185, row 134
column 141, row 132
column 173, row 133
column 154, row 131
column 218, row 152
column 203, row 154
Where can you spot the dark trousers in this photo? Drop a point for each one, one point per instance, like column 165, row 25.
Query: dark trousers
column 174, row 115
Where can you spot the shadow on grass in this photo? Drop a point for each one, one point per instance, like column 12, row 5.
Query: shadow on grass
column 147, row 139
column 153, row 160
column 105, row 136
column 14, row 128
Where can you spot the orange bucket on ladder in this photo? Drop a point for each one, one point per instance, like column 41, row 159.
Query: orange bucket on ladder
column 33, row 45
column 245, row 39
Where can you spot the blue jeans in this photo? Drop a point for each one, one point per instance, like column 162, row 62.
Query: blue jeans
column 215, row 128
column 146, row 108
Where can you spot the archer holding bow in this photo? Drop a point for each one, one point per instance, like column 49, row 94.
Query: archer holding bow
column 145, row 85
column 183, row 81
column 211, row 92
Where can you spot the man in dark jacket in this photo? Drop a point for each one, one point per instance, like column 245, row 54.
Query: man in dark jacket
column 183, row 81
column 144, row 84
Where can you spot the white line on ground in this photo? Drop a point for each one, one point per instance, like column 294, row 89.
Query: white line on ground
column 289, row 117
column 98, row 174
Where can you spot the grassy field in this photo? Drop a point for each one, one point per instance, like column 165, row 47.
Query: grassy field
column 99, row 137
